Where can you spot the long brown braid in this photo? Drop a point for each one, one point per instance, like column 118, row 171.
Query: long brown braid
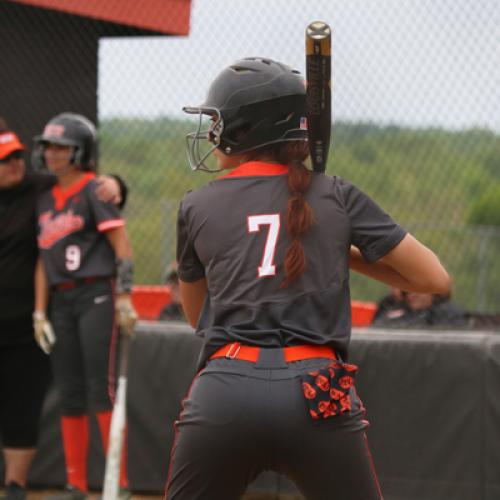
column 299, row 214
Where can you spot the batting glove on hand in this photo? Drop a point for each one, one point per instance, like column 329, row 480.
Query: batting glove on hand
column 44, row 333
column 127, row 317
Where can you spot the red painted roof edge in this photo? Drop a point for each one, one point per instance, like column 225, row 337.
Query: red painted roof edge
column 162, row 16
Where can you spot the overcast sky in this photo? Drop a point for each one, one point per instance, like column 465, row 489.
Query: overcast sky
column 408, row 62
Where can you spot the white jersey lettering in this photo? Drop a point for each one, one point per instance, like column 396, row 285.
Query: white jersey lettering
column 267, row 267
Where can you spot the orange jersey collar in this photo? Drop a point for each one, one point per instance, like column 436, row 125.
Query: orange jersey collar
column 61, row 195
column 256, row 169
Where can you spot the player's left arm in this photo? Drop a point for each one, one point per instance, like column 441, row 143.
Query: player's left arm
column 127, row 316
column 409, row 266
column 377, row 270
column 193, row 296
column 119, row 240
column 110, row 222
column 385, row 251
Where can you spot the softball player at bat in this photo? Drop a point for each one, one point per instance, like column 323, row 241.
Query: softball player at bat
column 84, row 247
column 264, row 253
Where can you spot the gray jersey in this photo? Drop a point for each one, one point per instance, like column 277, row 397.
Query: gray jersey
column 71, row 227
column 233, row 233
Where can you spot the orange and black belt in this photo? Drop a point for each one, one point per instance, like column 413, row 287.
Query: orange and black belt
column 293, row 353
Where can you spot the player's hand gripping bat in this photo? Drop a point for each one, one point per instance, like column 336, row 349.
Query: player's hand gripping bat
column 111, row 488
column 319, row 95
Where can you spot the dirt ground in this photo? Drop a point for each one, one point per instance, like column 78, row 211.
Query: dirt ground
column 41, row 494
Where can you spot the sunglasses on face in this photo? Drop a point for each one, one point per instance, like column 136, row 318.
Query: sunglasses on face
column 15, row 155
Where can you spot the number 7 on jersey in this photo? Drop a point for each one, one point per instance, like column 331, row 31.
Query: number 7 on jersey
column 267, row 267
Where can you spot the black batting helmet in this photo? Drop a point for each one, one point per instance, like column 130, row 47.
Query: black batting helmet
column 69, row 129
column 253, row 103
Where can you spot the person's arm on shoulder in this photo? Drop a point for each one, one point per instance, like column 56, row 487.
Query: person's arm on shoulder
column 43, row 180
column 410, row 266
column 112, row 189
column 193, row 296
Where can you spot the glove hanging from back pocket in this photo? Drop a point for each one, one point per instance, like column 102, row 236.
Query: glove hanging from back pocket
column 327, row 390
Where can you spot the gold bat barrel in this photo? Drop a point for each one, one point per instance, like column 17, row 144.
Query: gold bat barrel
column 318, row 97
column 318, row 39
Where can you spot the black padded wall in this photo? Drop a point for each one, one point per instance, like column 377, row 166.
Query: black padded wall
column 431, row 398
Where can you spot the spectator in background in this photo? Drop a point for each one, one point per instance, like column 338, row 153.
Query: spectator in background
column 402, row 309
column 24, row 368
column 173, row 310
column 392, row 305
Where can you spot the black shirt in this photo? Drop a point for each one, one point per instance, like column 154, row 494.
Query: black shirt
column 18, row 255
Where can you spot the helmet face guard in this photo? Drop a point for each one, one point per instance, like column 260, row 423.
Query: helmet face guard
column 211, row 133
column 253, row 103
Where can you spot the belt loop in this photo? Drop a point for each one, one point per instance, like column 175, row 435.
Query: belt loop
column 233, row 350
column 271, row 358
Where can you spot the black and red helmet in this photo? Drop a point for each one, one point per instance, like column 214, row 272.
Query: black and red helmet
column 253, row 103
column 69, row 129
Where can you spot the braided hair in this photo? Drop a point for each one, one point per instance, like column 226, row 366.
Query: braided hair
column 299, row 215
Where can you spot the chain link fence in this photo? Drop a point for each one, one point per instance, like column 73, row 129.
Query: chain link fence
column 415, row 112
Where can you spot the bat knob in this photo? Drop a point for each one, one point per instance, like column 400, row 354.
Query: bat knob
column 318, row 30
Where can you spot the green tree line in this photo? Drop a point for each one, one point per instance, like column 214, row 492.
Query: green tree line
column 442, row 185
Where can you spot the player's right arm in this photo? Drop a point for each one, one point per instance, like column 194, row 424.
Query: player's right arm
column 44, row 334
column 193, row 296
column 192, row 281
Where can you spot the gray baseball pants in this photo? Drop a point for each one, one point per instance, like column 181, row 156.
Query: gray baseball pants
column 82, row 362
column 241, row 418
